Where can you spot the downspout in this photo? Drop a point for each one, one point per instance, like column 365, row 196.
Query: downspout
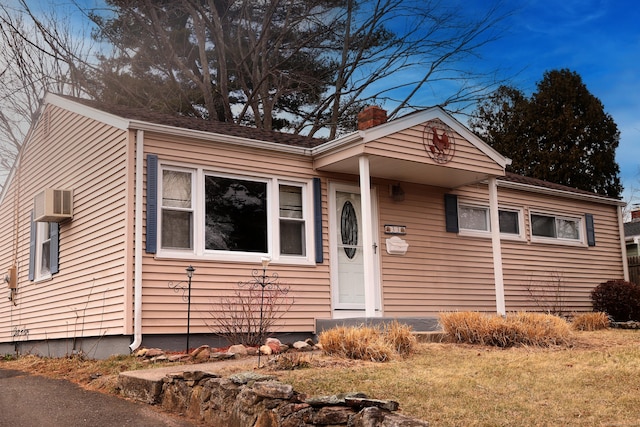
column 496, row 245
column 137, row 245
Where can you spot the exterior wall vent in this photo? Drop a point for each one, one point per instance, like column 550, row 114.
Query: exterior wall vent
column 52, row 205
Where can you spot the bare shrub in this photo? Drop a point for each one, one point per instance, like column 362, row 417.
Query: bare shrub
column 548, row 295
column 534, row 329
column 238, row 317
column 590, row 321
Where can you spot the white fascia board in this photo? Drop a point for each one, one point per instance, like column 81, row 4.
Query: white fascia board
column 345, row 141
column 561, row 193
column 90, row 112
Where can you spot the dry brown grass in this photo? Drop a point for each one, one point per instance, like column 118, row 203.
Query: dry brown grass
column 592, row 382
column 376, row 344
column 590, row 321
column 530, row 329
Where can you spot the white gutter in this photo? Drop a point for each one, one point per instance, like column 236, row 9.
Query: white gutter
column 137, row 245
column 564, row 193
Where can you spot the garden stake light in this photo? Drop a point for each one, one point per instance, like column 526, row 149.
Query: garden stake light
column 178, row 287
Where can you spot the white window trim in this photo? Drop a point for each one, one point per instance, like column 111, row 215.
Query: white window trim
column 467, row 232
column 160, row 207
column 581, row 241
column 41, row 237
column 273, row 225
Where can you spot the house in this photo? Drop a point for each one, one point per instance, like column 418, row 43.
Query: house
column 107, row 207
column 632, row 234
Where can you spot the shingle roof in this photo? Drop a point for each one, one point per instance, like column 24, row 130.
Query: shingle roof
column 632, row 228
column 233, row 129
column 193, row 123
column 512, row 177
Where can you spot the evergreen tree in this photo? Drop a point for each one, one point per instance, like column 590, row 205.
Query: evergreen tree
column 560, row 134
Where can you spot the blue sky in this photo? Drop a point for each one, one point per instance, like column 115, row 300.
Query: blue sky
column 598, row 39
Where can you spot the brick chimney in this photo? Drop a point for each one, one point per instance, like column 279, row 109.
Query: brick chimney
column 635, row 215
column 371, row 116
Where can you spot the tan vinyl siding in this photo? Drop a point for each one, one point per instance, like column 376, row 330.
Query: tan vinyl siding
column 532, row 267
column 438, row 273
column 409, row 145
column 447, row 271
column 164, row 311
column 86, row 297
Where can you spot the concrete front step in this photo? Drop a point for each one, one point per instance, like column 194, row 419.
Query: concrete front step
column 418, row 324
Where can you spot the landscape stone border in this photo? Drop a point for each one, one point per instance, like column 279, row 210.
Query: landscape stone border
column 255, row 400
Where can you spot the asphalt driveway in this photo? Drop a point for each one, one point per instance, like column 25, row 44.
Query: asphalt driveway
column 29, row 401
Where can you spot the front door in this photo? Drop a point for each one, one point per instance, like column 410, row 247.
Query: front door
column 347, row 261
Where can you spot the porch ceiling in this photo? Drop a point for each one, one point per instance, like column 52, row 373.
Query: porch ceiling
column 407, row 171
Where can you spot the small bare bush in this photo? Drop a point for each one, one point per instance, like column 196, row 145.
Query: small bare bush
column 590, row 321
column 238, row 317
column 368, row 343
column 534, row 329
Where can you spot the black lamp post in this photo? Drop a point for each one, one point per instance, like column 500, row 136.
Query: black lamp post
column 190, row 271
column 263, row 284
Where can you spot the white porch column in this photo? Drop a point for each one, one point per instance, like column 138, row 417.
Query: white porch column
column 623, row 244
column 367, row 238
column 496, row 245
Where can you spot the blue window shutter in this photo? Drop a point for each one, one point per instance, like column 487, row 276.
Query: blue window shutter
column 54, row 236
column 591, row 231
column 317, row 219
column 32, row 249
column 152, row 204
column 451, row 212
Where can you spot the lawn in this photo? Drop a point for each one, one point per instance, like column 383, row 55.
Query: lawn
column 594, row 381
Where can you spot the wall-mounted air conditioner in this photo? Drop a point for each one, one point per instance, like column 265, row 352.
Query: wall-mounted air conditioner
column 52, row 205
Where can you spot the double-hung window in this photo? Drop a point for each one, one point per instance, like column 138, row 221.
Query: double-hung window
column 545, row 226
column 44, row 247
column 235, row 217
column 43, row 251
column 177, row 209
column 476, row 219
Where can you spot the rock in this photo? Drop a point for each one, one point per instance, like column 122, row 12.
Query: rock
column 153, row 352
column 273, row 390
column 302, row 346
column 359, row 402
column 247, row 377
column 238, row 349
column 179, row 357
column 274, row 344
column 265, row 349
column 222, row 355
column 330, row 415
column 275, row 341
column 202, row 355
column 336, row 399
column 142, row 352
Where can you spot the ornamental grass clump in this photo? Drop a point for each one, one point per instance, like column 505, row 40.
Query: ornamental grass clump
column 377, row 344
column 530, row 329
column 590, row 321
